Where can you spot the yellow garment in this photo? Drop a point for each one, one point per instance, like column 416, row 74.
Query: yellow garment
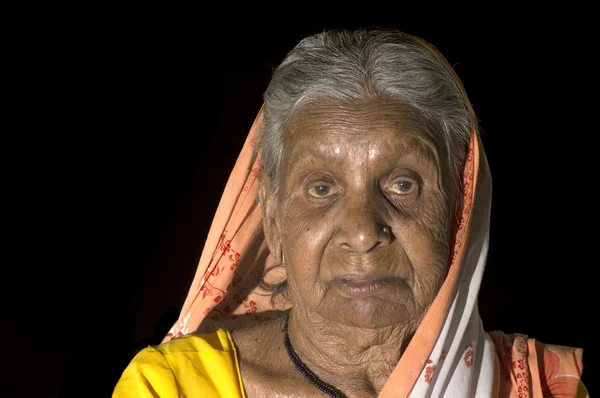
column 190, row 366
column 582, row 392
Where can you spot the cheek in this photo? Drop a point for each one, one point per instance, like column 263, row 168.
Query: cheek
column 425, row 238
column 306, row 234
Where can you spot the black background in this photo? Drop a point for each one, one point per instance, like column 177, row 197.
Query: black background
column 125, row 134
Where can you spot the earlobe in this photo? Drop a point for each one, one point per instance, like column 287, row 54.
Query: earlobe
column 268, row 202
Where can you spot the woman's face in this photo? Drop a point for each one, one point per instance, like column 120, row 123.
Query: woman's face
column 349, row 171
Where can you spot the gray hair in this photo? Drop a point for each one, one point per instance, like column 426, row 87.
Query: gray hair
column 360, row 65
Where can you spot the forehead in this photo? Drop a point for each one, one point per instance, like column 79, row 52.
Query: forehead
column 390, row 126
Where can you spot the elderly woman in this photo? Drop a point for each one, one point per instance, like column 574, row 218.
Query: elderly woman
column 368, row 195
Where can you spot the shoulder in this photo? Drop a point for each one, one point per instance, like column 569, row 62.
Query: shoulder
column 216, row 347
column 193, row 362
column 555, row 369
column 218, row 341
column 251, row 340
column 266, row 368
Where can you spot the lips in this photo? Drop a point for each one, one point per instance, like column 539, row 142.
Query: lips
column 361, row 287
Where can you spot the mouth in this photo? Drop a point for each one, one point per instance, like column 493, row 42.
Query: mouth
column 355, row 288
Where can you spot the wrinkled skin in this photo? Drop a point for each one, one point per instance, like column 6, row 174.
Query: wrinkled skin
column 349, row 172
column 363, row 215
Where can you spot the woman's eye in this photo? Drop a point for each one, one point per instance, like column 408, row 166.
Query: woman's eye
column 320, row 191
column 403, row 187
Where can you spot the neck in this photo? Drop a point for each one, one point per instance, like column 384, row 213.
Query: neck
column 357, row 361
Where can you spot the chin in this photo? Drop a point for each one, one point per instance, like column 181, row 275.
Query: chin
column 370, row 313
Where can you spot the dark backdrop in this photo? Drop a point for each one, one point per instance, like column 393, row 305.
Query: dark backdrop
column 136, row 128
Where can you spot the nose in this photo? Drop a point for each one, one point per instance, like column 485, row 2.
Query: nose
column 361, row 228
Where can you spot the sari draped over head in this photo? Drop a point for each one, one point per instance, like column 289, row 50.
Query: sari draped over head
column 449, row 355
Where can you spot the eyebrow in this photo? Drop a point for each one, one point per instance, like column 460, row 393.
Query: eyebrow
column 420, row 151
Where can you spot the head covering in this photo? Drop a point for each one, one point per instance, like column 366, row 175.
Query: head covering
column 450, row 354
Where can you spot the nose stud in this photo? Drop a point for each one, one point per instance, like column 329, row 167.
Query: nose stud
column 386, row 230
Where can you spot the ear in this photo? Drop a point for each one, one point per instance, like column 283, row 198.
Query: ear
column 268, row 204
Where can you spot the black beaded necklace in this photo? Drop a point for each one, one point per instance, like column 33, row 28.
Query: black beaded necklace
column 301, row 366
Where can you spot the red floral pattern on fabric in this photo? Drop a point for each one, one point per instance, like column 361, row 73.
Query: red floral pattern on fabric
column 429, row 370
column 468, row 357
column 233, row 294
column 468, row 197
column 559, row 366
column 174, row 336
column 514, row 366
column 430, row 366
column 227, row 305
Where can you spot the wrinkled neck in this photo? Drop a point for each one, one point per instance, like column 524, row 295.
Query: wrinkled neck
column 356, row 361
